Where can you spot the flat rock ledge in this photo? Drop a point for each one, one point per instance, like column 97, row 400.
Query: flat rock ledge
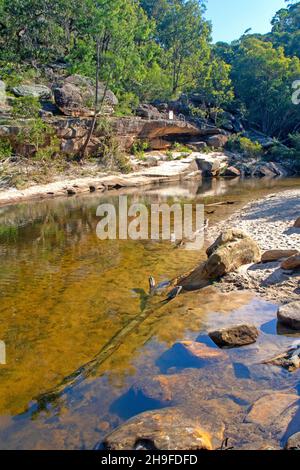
column 165, row 173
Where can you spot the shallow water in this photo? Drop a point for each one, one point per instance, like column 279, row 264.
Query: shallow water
column 65, row 294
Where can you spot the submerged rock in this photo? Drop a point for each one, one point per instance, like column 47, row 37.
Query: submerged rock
column 272, row 407
column 168, row 429
column 201, row 351
column 289, row 315
column 293, row 442
column 239, row 335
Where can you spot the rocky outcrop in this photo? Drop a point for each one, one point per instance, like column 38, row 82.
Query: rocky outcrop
column 231, row 172
column 75, row 96
column 147, row 111
column 41, row 92
column 167, row 429
column 232, row 249
column 217, row 141
column 235, row 336
column 289, row 315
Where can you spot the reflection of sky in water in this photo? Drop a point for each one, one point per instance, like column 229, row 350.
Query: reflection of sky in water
column 65, row 294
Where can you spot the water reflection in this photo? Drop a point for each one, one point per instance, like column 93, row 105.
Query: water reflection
column 65, row 295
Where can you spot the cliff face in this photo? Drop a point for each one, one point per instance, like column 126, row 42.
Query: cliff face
column 72, row 132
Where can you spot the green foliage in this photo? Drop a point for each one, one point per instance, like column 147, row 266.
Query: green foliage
column 177, row 147
column 26, row 107
column 263, row 77
column 5, row 149
column 139, row 148
column 244, row 146
column 127, row 103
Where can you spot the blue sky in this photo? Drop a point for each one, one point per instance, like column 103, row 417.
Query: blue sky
column 230, row 18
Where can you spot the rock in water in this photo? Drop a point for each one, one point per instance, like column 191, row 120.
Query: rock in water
column 277, row 255
column 235, row 336
column 201, row 351
column 272, row 407
column 231, row 250
column 289, row 315
column 167, row 429
column 291, row 263
column 293, row 442
column 232, row 172
column 41, row 92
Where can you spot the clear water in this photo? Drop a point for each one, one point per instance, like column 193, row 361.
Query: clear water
column 65, row 294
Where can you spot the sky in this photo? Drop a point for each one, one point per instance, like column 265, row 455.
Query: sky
column 231, row 18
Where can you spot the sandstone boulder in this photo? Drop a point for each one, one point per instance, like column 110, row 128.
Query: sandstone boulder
column 271, row 408
column 289, row 315
column 75, row 97
column 291, row 263
column 167, row 429
column 147, row 111
column 201, row 351
column 231, row 250
column 235, row 336
column 217, row 141
column 297, row 223
column 293, row 442
column 231, row 172
column 41, row 92
column 264, row 170
column 277, row 255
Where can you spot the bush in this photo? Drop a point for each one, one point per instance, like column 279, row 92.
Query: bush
column 5, row 149
column 244, row 146
column 26, row 107
column 139, row 148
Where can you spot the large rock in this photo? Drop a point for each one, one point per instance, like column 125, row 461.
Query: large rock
column 41, row 92
column 231, row 250
column 231, row 172
column 217, row 141
column 293, row 442
column 277, row 255
column 148, row 111
column 264, row 170
column 201, row 351
column 167, row 429
column 289, row 315
column 271, row 408
column 76, row 96
column 235, row 336
column 291, row 263
column 211, row 166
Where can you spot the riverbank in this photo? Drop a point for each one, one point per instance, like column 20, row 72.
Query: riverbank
column 270, row 222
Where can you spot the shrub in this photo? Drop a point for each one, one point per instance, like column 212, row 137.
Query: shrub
column 245, row 146
column 139, row 147
column 26, row 107
column 5, row 149
column 181, row 148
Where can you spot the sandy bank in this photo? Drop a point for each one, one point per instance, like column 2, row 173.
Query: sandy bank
column 270, row 221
